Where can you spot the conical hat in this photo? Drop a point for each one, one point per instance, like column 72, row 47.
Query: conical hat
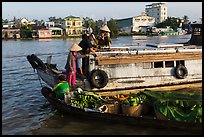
column 75, row 47
column 105, row 28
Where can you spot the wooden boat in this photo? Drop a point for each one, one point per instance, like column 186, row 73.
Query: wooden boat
column 121, row 68
column 140, row 120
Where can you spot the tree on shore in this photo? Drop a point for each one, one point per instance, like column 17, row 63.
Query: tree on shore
column 5, row 21
column 173, row 22
column 113, row 27
column 26, row 31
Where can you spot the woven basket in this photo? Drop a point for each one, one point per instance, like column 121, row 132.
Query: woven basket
column 113, row 108
column 132, row 110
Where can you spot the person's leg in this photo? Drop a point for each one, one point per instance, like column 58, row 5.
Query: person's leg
column 83, row 65
column 81, row 72
column 69, row 78
column 86, row 66
column 79, row 68
column 73, row 79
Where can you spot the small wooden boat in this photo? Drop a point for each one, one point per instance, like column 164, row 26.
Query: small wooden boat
column 139, row 120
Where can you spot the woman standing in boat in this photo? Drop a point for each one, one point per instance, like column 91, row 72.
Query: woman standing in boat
column 70, row 66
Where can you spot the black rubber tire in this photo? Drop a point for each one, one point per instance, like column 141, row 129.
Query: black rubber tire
column 181, row 71
column 38, row 62
column 98, row 78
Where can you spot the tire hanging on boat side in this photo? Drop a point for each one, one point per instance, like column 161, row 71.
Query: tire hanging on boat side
column 181, row 71
column 98, row 78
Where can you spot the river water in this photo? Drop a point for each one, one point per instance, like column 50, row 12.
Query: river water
column 26, row 112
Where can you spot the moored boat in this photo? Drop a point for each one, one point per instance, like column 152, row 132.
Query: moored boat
column 121, row 68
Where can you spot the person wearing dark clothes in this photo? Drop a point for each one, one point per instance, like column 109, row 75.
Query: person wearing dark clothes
column 87, row 47
column 104, row 40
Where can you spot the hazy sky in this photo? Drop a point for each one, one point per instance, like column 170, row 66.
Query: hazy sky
column 95, row 10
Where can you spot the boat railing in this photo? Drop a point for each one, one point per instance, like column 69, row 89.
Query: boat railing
column 150, row 51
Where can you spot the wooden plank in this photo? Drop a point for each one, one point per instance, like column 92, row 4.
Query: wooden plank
column 126, row 59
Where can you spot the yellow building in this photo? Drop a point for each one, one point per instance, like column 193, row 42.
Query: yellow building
column 72, row 26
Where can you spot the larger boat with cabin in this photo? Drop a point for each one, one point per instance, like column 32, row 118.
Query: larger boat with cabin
column 121, row 68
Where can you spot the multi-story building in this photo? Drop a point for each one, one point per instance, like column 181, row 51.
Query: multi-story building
column 158, row 11
column 72, row 26
column 142, row 22
column 136, row 24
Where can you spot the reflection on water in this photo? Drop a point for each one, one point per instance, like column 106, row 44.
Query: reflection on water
column 60, row 124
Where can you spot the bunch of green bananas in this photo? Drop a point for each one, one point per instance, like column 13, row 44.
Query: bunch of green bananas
column 86, row 100
column 135, row 99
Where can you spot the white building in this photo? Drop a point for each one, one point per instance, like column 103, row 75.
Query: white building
column 158, row 11
column 136, row 24
column 49, row 24
column 142, row 22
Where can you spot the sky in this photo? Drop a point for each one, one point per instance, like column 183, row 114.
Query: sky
column 94, row 10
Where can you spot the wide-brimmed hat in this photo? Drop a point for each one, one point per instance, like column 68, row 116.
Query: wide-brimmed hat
column 105, row 28
column 75, row 47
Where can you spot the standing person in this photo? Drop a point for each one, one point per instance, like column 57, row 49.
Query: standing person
column 86, row 46
column 104, row 40
column 61, row 88
column 79, row 64
column 71, row 65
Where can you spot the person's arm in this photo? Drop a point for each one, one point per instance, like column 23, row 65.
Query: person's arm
column 56, row 86
column 91, row 47
column 93, row 51
column 70, row 62
column 80, row 56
